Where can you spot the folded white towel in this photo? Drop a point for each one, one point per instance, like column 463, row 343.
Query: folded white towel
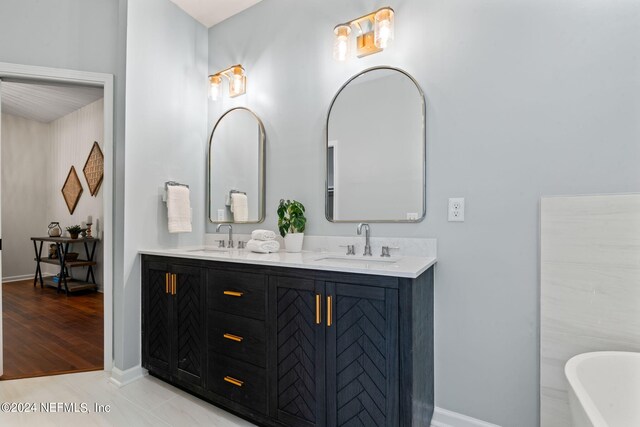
column 240, row 207
column 178, row 209
column 263, row 235
column 263, row 246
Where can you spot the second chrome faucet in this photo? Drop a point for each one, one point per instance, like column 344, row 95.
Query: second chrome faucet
column 367, row 237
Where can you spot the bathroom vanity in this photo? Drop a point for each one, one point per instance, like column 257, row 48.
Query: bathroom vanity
column 305, row 339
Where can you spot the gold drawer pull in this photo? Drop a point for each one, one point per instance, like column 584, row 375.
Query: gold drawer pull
column 166, row 282
column 234, row 381
column 233, row 293
column 233, row 337
column 329, row 313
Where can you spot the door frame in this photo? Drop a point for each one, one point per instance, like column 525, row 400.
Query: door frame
column 46, row 74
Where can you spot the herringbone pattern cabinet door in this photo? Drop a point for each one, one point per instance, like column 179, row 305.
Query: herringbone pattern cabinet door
column 362, row 357
column 189, row 328
column 157, row 334
column 299, row 355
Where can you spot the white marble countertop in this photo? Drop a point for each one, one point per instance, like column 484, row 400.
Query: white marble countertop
column 395, row 266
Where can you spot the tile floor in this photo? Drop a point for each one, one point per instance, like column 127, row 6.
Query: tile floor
column 145, row 402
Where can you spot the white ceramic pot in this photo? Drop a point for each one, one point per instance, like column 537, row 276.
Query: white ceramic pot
column 293, row 242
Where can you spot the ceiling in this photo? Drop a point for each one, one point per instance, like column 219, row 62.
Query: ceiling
column 210, row 12
column 45, row 102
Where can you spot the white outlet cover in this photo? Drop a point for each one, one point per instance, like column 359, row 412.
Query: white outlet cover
column 456, row 209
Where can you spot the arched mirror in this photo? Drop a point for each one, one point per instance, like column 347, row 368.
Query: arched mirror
column 236, row 168
column 376, row 149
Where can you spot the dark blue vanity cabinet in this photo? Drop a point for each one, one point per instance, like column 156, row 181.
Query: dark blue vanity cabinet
column 292, row 347
column 173, row 327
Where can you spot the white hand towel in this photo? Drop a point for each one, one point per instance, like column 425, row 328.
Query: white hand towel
column 240, row 207
column 178, row 209
column 263, row 235
column 263, row 246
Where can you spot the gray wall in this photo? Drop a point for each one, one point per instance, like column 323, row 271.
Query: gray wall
column 26, row 147
column 523, row 99
column 86, row 35
column 166, row 139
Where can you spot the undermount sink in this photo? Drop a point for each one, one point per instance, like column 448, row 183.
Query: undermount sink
column 357, row 260
column 210, row 250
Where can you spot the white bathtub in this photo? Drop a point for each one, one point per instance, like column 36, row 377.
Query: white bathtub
column 604, row 389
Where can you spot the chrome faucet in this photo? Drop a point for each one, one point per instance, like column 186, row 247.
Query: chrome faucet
column 367, row 235
column 230, row 233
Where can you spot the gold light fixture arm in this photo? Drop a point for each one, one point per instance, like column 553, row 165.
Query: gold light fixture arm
column 357, row 25
column 227, row 72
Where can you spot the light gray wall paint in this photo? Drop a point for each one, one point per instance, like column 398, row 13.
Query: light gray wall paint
column 523, row 99
column 86, row 35
column 25, row 155
column 166, row 138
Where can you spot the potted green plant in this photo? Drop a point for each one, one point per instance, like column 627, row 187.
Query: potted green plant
column 74, row 231
column 291, row 223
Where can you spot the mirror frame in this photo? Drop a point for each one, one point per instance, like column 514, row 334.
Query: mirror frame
column 261, row 172
column 424, row 152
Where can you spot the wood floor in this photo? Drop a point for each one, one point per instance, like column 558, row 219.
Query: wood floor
column 46, row 333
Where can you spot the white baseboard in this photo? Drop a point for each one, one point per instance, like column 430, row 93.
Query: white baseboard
column 121, row 378
column 9, row 279
column 445, row 418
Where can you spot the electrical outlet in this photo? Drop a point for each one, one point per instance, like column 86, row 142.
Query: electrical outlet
column 456, row 209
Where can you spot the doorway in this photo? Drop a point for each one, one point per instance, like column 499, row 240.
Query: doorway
column 57, row 310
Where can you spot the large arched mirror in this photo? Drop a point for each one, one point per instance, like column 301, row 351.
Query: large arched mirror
column 236, row 168
column 376, row 149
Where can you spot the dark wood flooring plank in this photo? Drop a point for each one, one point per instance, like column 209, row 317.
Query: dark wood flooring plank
column 46, row 333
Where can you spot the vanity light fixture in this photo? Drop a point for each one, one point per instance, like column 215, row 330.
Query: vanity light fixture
column 375, row 33
column 237, row 82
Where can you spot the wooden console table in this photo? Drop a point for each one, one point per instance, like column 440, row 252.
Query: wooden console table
column 62, row 248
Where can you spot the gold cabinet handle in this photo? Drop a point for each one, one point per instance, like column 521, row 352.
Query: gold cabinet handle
column 166, row 283
column 234, row 381
column 318, row 309
column 233, row 337
column 173, row 284
column 233, row 293
column 329, row 314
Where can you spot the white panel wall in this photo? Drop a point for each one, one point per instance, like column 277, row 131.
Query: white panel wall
column 72, row 138
column 166, row 109
column 25, row 150
column 590, row 287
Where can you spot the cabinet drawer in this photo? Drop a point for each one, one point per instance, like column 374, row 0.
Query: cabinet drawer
column 242, row 294
column 238, row 381
column 238, row 337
